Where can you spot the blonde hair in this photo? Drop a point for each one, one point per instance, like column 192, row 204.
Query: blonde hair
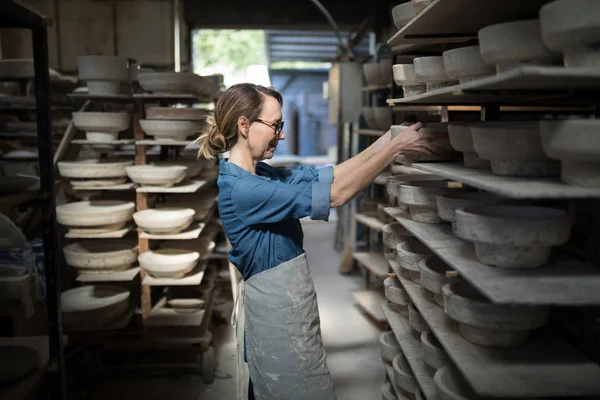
column 241, row 100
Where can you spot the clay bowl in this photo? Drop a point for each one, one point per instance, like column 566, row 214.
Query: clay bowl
column 16, row 184
column 433, row 353
column 369, row 114
column 403, row 179
column 447, row 204
column 101, row 255
column 466, row 64
column 101, row 125
column 404, row 75
column 194, row 167
column 18, row 362
column 93, row 168
column 103, row 74
column 176, row 83
column 373, row 76
column 405, row 12
column 204, row 246
column 394, row 234
column 576, row 144
column 383, row 116
column 394, row 292
column 512, row 44
column 514, row 149
column 431, row 70
column 157, row 175
column 385, row 64
column 437, row 133
column 416, row 321
column 389, row 346
column 421, row 198
column 94, row 213
column 168, row 263
column 170, row 130
column 487, row 324
column 201, row 206
column 513, row 236
column 16, row 68
column 572, row 27
column 433, row 276
column 449, row 385
column 409, row 255
column 403, row 375
column 176, row 114
column 93, row 306
column 186, row 299
column 461, row 140
column 164, row 221
column 387, row 392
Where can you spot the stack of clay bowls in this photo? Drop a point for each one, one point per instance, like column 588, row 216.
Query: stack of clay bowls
column 101, row 126
column 396, row 295
column 433, row 277
column 514, row 148
column 432, row 71
column 103, row 74
column 204, row 246
column 404, row 76
column 448, row 204
column 514, row 44
column 405, row 12
column 437, row 133
column 94, row 172
column 155, row 175
column 369, row 114
column 576, row 144
column 487, row 324
column 93, row 306
column 433, row 353
column 176, row 83
column 466, row 64
column 513, row 236
column 421, row 198
column 572, row 28
column 101, row 256
column 167, row 221
column 409, row 254
column 394, row 183
column 461, row 140
column 168, row 263
column 95, row 217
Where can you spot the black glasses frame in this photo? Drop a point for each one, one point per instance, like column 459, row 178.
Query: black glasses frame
column 277, row 126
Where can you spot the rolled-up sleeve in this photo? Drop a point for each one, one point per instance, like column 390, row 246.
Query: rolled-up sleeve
column 325, row 175
column 262, row 201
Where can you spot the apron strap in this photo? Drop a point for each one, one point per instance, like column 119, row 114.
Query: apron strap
column 238, row 304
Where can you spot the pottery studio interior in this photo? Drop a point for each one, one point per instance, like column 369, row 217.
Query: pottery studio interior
column 468, row 270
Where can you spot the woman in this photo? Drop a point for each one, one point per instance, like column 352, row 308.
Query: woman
column 278, row 327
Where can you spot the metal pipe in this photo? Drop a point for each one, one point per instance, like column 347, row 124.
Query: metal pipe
column 330, row 19
column 177, row 36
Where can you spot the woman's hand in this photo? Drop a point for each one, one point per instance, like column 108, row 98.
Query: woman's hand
column 410, row 140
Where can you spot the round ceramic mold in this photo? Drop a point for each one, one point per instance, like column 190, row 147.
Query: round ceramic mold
column 108, row 122
column 433, row 353
column 369, row 114
column 448, row 204
column 576, row 144
column 164, row 221
column 170, row 130
column 461, row 140
column 466, row 64
column 433, row 274
column 420, row 196
column 168, row 263
column 487, row 324
column 176, row 83
column 93, row 168
column 394, row 234
column 513, row 236
column 94, row 213
column 394, row 292
column 514, row 149
column 93, row 306
column 383, row 117
column 101, row 255
column 176, row 114
column 404, row 75
column 103, row 74
column 404, row 13
column 157, row 175
column 399, row 180
column 389, row 346
column 416, row 321
column 373, row 74
column 410, row 253
column 404, row 377
column 431, row 70
column 449, row 385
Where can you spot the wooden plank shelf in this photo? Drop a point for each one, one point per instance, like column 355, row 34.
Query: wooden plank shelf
column 543, row 367
column 193, row 278
column 370, row 132
column 509, row 186
column 389, row 370
column 184, row 187
column 152, row 142
column 105, row 142
column 172, row 97
column 371, row 222
column 565, row 281
column 524, row 85
column 117, row 276
column 434, row 109
column 374, row 262
column 370, row 301
column 452, row 21
column 411, row 348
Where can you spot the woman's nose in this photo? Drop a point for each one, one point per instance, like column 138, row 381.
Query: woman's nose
column 282, row 135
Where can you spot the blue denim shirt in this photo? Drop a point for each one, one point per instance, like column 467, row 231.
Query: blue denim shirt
column 260, row 213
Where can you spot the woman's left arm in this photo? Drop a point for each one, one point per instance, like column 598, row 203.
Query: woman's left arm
column 340, row 170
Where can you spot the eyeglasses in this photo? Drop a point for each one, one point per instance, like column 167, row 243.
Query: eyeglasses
column 277, row 126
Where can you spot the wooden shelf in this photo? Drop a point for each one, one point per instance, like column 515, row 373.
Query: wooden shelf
column 118, row 276
column 374, row 262
column 370, row 301
column 451, row 21
column 525, row 85
column 412, row 350
column 370, row 132
column 193, row 232
column 193, row 278
column 376, row 88
column 509, row 186
column 565, row 281
column 543, row 367
column 371, row 222
column 434, row 109
column 151, row 142
column 184, row 187
column 96, row 142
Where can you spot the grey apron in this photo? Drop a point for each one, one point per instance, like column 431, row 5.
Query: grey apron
column 286, row 359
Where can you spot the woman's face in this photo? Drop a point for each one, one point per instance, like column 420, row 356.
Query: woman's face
column 262, row 137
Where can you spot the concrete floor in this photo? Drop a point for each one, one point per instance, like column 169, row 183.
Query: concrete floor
column 351, row 342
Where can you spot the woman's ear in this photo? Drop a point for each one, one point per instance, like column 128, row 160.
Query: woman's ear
column 244, row 126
